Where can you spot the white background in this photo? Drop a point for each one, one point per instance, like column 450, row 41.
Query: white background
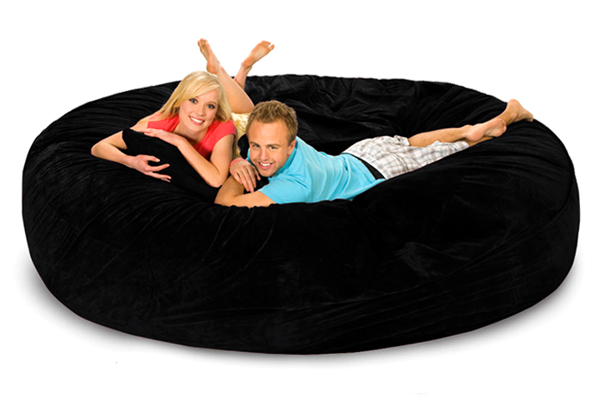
column 57, row 55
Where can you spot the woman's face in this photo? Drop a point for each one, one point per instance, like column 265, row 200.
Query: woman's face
column 197, row 114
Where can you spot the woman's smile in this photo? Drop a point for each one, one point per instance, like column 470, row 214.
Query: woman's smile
column 197, row 114
column 197, row 120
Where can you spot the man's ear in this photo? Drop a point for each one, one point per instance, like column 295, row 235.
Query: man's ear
column 291, row 147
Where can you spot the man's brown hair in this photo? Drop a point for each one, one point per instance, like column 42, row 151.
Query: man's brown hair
column 272, row 111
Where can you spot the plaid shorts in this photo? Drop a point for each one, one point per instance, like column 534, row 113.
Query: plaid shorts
column 393, row 156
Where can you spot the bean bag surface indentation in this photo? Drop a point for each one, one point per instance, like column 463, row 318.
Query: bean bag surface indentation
column 457, row 245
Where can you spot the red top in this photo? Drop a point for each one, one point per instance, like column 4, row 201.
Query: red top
column 216, row 131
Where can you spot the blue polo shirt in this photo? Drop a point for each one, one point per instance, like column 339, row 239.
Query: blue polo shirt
column 310, row 176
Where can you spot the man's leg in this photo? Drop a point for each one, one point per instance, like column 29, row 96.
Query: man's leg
column 515, row 112
column 473, row 134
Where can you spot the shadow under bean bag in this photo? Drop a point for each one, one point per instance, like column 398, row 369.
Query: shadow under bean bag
column 457, row 245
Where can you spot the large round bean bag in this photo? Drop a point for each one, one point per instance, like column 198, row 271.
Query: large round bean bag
column 459, row 244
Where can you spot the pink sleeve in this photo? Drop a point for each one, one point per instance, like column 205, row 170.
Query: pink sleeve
column 168, row 124
column 224, row 129
column 217, row 131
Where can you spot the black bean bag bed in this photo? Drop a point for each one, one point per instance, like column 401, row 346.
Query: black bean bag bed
column 457, row 245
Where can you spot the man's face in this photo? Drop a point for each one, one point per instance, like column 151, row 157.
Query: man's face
column 269, row 147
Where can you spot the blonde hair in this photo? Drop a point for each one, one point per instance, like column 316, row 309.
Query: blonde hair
column 193, row 85
column 272, row 111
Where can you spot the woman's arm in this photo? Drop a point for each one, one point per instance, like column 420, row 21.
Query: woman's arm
column 244, row 173
column 111, row 149
column 215, row 171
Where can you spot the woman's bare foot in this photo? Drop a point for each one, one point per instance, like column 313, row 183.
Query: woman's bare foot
column 212, row 63
column 258, row 52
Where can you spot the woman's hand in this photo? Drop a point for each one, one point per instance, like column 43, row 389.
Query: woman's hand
column 244, row 173
column 169, row 137
column 141, row 163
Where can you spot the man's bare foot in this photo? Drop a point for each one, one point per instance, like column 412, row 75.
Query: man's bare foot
column 212, row 63
column 487, row 130
column 258, row 52
column 516, row 112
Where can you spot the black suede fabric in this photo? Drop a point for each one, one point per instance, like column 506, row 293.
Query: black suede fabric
column 181, row 172
column 457, row 245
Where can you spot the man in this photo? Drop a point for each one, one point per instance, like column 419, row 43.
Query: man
column 299, row 173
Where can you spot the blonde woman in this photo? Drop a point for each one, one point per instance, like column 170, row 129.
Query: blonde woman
column 197, row 120
column 241, row 170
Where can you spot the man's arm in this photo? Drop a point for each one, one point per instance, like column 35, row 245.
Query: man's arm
column 232, row 194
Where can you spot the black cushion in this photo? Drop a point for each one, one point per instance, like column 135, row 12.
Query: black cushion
column 181, row 172
column 457, row 245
